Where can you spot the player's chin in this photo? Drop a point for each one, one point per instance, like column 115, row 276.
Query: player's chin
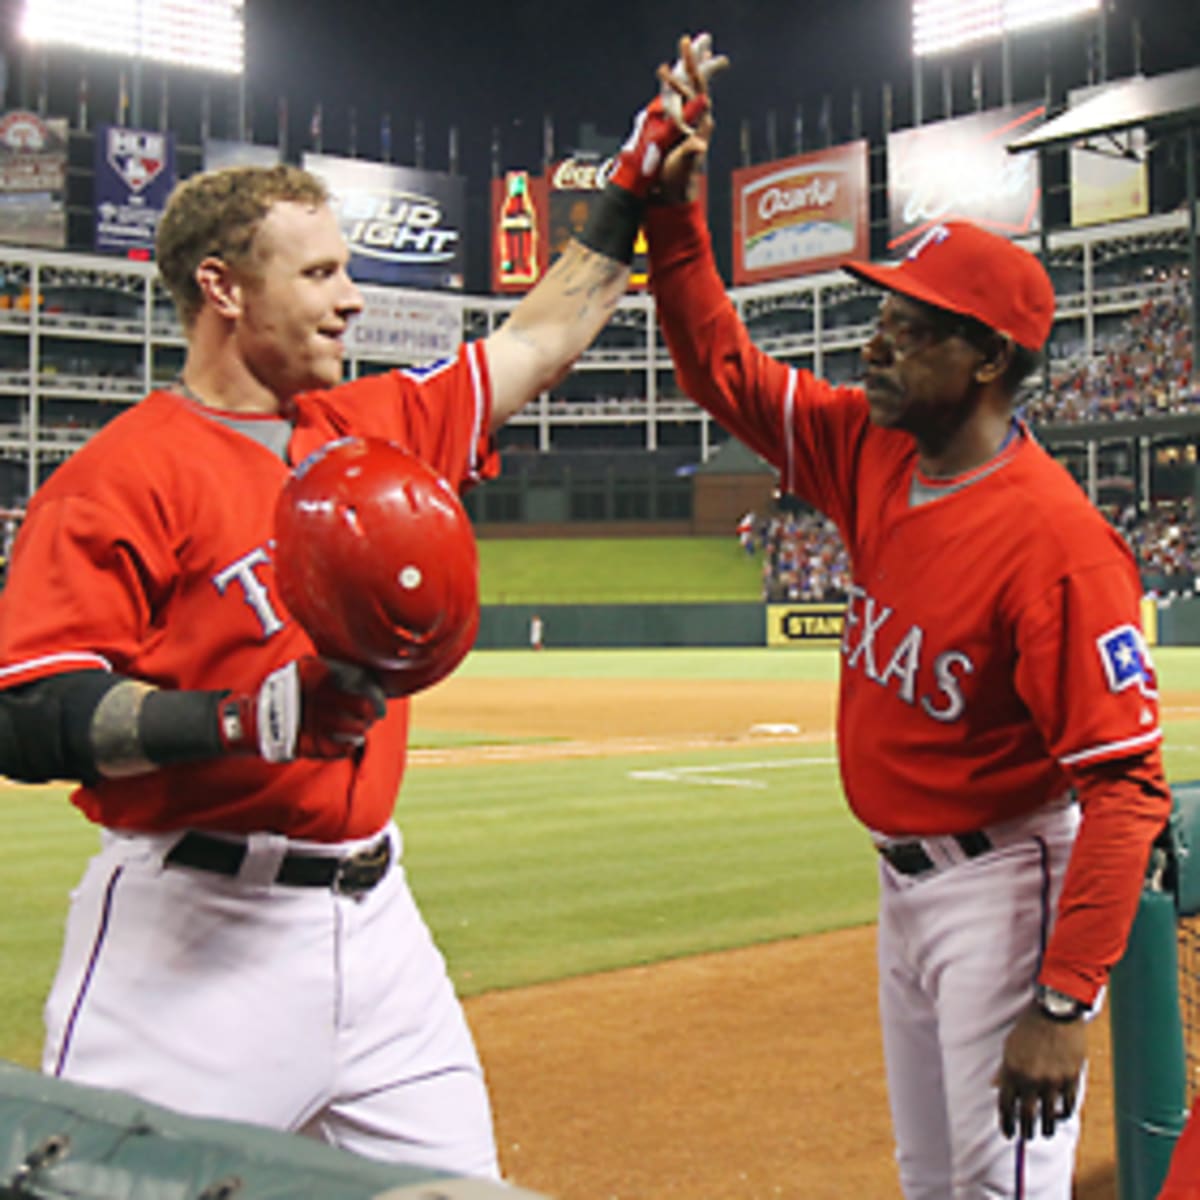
column 325, row 371
column 884, row 406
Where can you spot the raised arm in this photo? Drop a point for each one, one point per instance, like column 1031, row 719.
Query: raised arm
column 553, row 325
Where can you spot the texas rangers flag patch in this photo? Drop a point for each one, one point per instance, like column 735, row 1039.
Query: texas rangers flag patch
column 1126, row 660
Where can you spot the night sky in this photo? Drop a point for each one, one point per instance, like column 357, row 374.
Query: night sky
column 494, row 70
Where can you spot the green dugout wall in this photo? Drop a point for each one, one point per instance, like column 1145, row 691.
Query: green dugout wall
column 1154, row 1016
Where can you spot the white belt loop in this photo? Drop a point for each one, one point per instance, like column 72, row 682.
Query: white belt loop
column 943, row 851
column 264, row 853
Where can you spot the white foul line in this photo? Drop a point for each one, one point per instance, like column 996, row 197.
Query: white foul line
column 698, row 774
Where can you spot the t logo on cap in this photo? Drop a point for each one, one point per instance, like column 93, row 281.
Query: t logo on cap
column 939, row 233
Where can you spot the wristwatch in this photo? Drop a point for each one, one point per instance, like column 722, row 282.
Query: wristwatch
column 1058, row 1006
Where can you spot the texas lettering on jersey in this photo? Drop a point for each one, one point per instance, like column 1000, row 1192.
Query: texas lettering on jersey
column 937, row 691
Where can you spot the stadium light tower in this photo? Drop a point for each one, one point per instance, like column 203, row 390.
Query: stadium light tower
column 207, row 35
column 943, row 26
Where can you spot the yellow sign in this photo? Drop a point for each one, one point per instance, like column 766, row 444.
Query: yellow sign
column 805, row 624
column 1150, row 620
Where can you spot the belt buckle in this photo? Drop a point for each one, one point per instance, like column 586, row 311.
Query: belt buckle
column 358, row 873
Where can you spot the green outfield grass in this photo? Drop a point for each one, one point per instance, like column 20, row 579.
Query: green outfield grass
column 530, row 872
column 617, row 570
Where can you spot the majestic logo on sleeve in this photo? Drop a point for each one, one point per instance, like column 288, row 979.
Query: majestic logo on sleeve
column 1126, row 660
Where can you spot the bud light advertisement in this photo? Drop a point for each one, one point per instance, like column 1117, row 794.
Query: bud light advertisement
column 961, row 169
column 405, row 227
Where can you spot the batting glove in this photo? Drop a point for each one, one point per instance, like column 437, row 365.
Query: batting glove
column 310, row 708
column 664, row 123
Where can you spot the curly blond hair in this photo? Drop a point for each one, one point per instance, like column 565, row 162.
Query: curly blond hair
column 218, row 213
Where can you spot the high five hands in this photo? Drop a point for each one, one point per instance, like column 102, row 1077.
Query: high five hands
column 671, row 133
column 684, row 88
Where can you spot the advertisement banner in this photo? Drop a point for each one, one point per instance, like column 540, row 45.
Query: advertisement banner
column 805, row 624
column 134, row 175
column 561, row 205
column 961, row 170
column 405, row 227
column 802, row 214
column 33, row 179
column 573, row 186
column 220, row 153
column 398, row 325
column 1109, row 177
column 520, row 229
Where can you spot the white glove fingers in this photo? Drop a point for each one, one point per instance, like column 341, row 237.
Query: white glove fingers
column 279, row 705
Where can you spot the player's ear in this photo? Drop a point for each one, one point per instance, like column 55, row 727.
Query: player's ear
column 997, row 351
column 220, row 287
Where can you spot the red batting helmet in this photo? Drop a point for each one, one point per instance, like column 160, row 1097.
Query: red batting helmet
column 375, row 558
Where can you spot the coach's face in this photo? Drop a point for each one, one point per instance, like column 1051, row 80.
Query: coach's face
column 920, row 373
column 297, row 300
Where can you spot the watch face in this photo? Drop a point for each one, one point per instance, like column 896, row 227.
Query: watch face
column 1055, row 1004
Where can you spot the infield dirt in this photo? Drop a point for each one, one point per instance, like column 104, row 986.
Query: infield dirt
column 750, row 1074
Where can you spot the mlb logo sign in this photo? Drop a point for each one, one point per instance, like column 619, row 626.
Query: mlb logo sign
column 133, row 177
column 137, row 156
column 1126, row 661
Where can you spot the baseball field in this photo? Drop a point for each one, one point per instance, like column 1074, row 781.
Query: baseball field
column 646, row 884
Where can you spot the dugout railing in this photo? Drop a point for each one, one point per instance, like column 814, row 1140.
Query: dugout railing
column 65, row 1141
column 1154, row 1006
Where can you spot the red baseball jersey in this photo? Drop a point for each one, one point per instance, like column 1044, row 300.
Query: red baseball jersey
column 149, row 553
column 992, row 656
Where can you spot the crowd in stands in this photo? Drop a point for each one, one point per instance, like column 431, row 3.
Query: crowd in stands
column 1164, row 540
column 1144, row 370
column 803, row 558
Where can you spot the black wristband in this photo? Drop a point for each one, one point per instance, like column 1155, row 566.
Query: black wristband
column 613, row 224
column 180, row 726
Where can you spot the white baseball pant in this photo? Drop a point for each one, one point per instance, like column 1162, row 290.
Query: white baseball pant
column 959, row 949
column 291, row 1007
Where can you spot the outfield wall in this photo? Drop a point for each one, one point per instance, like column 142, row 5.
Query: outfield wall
column 1179, row 621
column 578, row 626
column 596, row 625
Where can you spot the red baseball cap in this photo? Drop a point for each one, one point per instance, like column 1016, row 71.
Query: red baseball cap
column 965, row 269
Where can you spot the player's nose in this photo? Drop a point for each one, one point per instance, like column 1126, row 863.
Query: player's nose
column 350, row 299
column 877, row 349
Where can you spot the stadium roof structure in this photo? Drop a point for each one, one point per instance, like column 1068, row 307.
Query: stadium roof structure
column 1156, row 103
column 1163, row 105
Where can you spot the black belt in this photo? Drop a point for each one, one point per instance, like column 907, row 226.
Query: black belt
column 911, row 858
column 355, row 874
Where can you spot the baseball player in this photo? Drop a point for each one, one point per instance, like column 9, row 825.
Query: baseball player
column 245, row 945
column 998, row 729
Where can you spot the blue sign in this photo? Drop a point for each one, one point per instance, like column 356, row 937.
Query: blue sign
column 404, row 226
column 135, row 173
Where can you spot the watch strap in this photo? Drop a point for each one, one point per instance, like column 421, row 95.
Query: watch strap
column 1058, row 1006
